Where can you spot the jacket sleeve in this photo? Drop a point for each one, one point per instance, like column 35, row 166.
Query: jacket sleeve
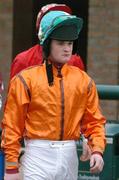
column 93, row 121
column 13, row 122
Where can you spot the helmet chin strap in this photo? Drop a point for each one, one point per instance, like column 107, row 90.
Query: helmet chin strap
column 58, row 65
column 49, row 70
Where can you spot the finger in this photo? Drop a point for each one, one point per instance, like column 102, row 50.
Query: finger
column 92, row 162
column 98, row 166
column 95, row 168
column 101, row 165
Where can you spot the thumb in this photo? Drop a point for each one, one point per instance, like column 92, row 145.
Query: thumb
column 92, row 161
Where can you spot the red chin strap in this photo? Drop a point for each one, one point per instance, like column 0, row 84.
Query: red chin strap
column 51, row 7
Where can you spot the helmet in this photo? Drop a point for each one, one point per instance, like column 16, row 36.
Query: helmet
column 51, row 7
column 59, row 24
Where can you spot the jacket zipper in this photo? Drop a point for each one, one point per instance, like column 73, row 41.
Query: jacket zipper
column 62, row 104
column 62, row 110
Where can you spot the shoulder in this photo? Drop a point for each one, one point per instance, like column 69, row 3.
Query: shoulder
column 31, row 70
column 28, row 74
column 79, row 74
column 24, row 54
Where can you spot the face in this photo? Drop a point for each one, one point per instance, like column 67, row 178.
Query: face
column 61, row 51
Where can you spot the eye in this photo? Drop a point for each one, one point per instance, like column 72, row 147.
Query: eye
column 60, row 42
column 70, row 43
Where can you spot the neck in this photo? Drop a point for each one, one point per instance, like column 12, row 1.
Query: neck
column 56, row 64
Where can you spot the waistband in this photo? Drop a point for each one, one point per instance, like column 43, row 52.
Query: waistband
column 47, row 143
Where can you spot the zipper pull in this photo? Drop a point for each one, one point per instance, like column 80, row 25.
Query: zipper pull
column 59, row 72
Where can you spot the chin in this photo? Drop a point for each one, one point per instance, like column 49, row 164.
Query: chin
column 65, row 60
column 62, row 60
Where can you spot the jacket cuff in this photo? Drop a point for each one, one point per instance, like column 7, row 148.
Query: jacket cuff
column 12, row 171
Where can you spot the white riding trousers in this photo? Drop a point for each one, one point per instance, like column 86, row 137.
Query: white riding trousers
column 50, row 160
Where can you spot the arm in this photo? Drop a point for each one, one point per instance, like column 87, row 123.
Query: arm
column 93, row 127
column 86, row 151
column 13, row 123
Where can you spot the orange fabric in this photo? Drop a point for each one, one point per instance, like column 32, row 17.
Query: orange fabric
column 71, row 103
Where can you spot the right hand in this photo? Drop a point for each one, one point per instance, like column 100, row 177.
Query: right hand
column 15, row 176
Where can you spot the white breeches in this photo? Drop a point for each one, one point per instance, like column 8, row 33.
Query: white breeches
column 50, row 160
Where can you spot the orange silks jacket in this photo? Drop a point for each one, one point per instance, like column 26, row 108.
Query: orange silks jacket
column 36, row 110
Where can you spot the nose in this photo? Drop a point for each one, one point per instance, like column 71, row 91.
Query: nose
column 67, row 47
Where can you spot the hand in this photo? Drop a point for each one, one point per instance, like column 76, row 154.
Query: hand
column 86, row 153
column 96, row 163
column 15, row 176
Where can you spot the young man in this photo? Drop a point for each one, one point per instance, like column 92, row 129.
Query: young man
column 33, row 56
column 48, row 104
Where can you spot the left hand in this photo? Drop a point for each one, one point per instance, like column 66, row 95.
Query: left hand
column 96, row 163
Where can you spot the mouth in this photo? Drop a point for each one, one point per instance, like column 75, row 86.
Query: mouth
column 66, row 55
